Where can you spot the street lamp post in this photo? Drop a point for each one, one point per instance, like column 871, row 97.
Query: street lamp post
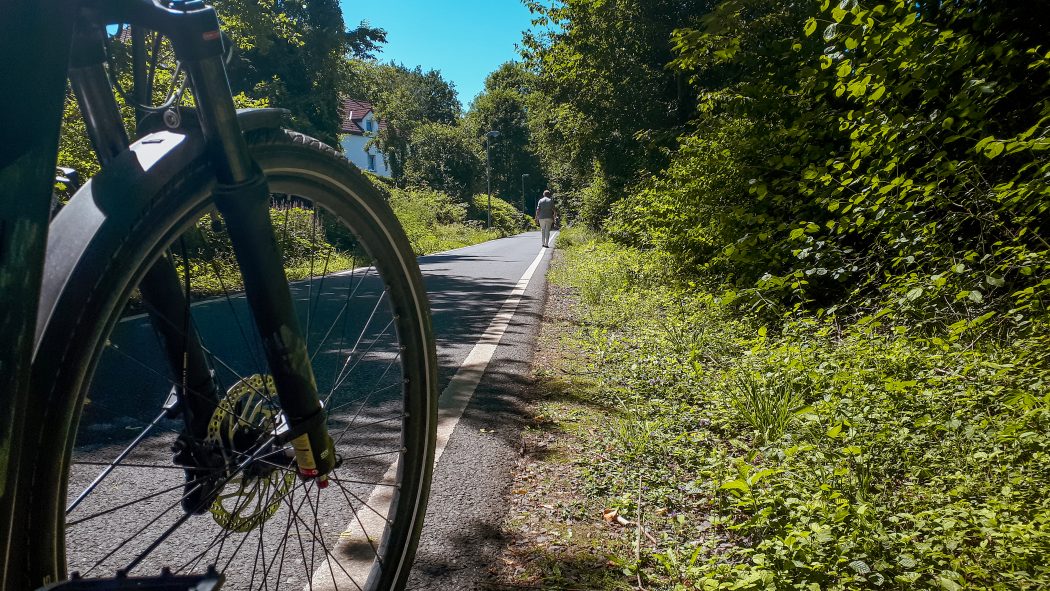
column 524, row 210
column 488, row 170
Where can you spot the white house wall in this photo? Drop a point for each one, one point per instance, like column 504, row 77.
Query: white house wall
column 354, row 150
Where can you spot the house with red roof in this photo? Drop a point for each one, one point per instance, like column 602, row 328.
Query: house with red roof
column 359, row 127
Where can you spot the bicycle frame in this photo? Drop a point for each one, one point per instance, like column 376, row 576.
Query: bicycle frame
column 242, row 199
column 30, row 114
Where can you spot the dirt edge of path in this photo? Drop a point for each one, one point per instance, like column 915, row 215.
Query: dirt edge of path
column 556, row 536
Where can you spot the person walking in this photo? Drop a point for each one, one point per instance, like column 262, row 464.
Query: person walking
column 546, row 213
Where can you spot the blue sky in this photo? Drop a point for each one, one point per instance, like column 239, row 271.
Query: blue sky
column 464, row 39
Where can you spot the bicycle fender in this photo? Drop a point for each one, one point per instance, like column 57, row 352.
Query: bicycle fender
column 101, row 213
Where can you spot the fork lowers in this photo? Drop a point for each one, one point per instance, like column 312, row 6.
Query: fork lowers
column 245, row 207
column 242, row 196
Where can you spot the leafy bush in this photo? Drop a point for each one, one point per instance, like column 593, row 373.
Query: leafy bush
column 906, row 173
column 593, row 200
column 433, row 221
column 573, row 235
column 506, row 218
column 604, row 270
column 381, row 183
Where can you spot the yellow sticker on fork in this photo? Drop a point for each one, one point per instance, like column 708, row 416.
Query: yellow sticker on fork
column 304, row 456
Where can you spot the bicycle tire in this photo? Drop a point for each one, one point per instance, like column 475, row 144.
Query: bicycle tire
column 312, row 180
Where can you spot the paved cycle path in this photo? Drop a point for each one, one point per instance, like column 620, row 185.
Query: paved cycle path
column 467, row 288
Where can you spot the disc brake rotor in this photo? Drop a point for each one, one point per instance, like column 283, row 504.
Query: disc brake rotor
column 243, row 419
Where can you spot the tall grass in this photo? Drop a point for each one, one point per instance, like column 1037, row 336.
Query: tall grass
column 767, row 403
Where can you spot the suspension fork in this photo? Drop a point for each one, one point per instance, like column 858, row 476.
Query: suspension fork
column 243, row 198
column 196, row 389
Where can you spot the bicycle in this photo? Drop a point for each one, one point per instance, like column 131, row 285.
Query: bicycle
column 250, row 286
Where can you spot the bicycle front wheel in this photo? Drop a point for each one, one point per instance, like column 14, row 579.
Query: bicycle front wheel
column 363, row 309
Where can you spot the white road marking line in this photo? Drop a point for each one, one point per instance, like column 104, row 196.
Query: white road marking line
column 353, row 553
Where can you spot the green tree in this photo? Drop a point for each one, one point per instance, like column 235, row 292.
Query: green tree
column 292, row 52
column 503, row 106
column 887, row 157
column 746, row 61
column 404, row 98
column 444, row 159
column 604, row 101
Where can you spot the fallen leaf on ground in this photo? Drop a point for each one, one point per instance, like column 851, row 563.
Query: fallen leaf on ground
column 613, row 516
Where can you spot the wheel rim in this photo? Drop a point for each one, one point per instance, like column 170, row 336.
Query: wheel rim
column 296, row 535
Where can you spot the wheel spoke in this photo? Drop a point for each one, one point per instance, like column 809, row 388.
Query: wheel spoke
column 111, row 510
column 142, row 529
column 350, row 293
column 112, row 465
column 329, row 556
column 340, row 375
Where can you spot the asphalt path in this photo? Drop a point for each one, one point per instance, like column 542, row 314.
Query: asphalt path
column 467, row 288
column 461, row 537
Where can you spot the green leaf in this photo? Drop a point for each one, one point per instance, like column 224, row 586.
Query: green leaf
column 901, row 385
column 993, row 149
column 761, row 474
column 860, row 567
column 737, row 484
column 835, row 431
column 811, row 26
column 838, row 14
